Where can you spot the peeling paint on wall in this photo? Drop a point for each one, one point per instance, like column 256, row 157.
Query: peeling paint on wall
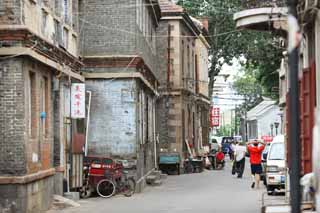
column 112, row 129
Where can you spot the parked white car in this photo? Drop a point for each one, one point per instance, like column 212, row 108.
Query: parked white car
column 276, row 165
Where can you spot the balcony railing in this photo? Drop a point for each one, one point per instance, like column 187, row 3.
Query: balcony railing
column 253, row 4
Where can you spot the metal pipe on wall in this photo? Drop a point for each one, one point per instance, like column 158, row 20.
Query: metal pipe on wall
column 294, row 133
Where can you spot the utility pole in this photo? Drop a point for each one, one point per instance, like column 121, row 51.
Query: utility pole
column 245, row 118
column 294, row 132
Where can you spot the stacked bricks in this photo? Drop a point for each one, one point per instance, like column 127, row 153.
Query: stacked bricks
column 12, row 123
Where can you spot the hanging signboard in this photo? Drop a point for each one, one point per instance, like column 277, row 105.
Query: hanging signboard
column 78, row 100
column 267, row 138
column 215, row 116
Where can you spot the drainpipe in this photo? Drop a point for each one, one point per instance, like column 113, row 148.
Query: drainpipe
column 295, row 155
column 88, row 122
column 169, row 57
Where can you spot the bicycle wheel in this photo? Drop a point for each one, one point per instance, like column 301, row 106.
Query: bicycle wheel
column 86, row 191
column 106, row 188
column 130, row 187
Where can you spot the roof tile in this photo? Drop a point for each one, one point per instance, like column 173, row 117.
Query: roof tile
column 167, row 6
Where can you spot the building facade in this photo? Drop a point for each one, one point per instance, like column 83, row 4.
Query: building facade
column 183, row 106
column 118, row 47
column 38, row 61
column 264, row 120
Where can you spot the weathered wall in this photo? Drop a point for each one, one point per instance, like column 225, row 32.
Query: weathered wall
column 187, row 52
column 107, row 27
column 176, row 117
column 40, row 17
column 27, row 198
column 203, row 65
column 112, row 130
column 264, row 121
column 175, row 53
column 10, row 12
column 169, row 123
column 25, row 151
column 12, row 122
column 39, row 131
column 111, row 28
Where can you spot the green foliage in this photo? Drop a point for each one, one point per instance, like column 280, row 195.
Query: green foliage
column 225, row 130
column 260, row 49
column 247, row 85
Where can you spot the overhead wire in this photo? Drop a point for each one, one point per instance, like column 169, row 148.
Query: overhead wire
column 154, row 36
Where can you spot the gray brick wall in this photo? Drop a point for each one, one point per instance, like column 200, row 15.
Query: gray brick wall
column 145, row 51
column 56, row 122
column 162, row 56
column 109, row 27
column 12, row 122
column 104, row 27
column 10, row 11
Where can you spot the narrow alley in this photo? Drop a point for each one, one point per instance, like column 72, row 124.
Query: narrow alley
column 214, row 191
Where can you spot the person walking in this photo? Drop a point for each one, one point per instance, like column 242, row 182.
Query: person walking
column 231, row 150
column 240, row 158
column 255, row 149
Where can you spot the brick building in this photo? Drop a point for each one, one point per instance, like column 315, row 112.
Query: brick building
column 183, row 67
column 38, row 60
column 118, row 47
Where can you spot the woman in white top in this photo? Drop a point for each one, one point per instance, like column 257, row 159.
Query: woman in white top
column 240, row 158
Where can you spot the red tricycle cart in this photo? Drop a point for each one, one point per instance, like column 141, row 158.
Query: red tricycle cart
column 106, row 177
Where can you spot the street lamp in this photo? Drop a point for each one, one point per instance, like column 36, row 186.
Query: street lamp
column 271, row 126
column 276, row 125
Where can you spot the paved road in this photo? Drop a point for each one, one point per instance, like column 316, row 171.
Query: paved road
column 207, row 192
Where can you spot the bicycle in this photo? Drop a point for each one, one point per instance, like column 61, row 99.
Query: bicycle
column 106, row 188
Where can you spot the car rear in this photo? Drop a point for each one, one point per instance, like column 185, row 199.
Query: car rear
column 276, row 169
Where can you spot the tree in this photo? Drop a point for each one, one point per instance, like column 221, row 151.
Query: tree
column 247, row 85
column 260, row 49
column 225, row 130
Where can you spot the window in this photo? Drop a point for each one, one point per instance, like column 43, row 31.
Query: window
column 65, row 37
column 74, row 44
column 141, row 14
column 188, row 61
column 44, row 22
column 46, row 105
column 197, row 73
column 32, row 105
column 65, row 9
column 57, row 32
column 192, row 66
column 182, row 62
column 277, row 151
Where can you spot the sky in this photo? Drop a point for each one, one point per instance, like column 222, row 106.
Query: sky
column 225, row 96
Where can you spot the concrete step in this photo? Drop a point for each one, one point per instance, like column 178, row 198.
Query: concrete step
column 151, row 179
column 163, row 176
column 156, row 173
column 157, row 183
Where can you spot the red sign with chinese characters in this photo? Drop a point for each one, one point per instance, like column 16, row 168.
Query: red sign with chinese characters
column 78, row 100
column 215, row 116
column 267, row 138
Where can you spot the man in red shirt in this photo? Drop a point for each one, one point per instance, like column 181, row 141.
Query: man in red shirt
column 255, row 149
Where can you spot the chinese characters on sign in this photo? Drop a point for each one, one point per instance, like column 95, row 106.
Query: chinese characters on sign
column 215, row 116
column 78, row 100
column 266, row 138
